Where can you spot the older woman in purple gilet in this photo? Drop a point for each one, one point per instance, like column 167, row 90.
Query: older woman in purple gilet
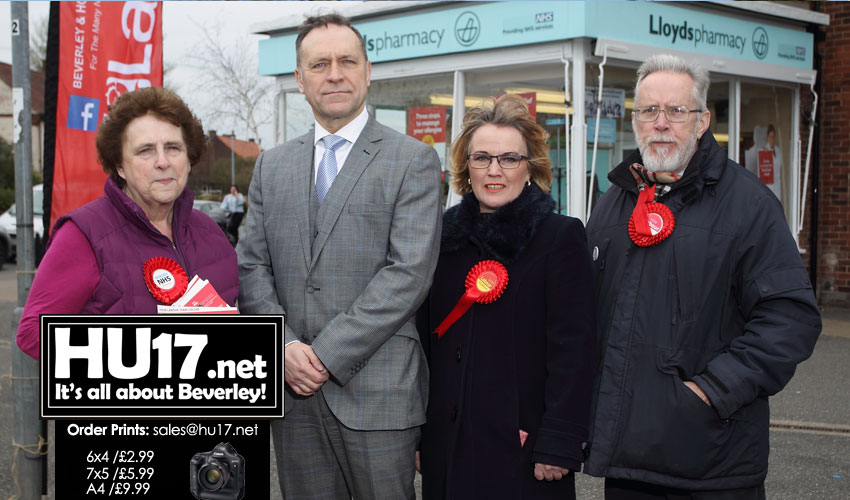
column 96, row 255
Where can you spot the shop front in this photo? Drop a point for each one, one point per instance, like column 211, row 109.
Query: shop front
column 432, row 61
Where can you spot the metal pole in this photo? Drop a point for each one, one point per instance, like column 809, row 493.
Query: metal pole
column 29, row 436
column 232, row 160
column 578, row 172
column 458, row 112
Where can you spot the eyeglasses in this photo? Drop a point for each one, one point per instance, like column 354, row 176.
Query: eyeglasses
column 507, row 160
column 676, row 114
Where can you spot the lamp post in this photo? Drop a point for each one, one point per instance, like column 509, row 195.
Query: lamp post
column 30, row 434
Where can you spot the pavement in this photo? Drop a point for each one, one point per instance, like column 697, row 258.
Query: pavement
column 810, row 418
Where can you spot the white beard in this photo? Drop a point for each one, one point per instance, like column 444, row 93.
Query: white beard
column 666, row 161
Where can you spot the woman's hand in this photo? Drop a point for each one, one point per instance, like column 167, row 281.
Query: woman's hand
column 549, row 472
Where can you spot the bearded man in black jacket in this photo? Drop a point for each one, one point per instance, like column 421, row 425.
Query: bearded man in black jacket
column 704, row 306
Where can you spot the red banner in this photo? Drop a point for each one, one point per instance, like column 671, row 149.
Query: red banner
column 427, row 124
column 105, row 49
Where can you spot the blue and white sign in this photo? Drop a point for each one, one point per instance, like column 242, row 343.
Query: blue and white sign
column 436, row 32
column 682, row 28
column 82, row 113
column 478, row 26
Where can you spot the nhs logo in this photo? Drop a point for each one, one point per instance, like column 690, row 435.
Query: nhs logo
column 544, row 17
column 83, row 113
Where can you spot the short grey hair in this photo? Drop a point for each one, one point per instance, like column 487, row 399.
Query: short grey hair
column 322, row 21
column 671, row 63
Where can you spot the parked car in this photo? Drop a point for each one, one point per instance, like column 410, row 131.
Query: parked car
column 8, row 221
column 216, row 213
column 5, row 247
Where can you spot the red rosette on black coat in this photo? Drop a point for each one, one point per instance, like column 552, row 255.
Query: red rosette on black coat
column 651, row 222
column 485, row 283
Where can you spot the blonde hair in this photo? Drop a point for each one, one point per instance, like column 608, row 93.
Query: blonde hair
column 506, row 111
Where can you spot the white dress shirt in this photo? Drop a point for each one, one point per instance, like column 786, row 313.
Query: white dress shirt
column 350, row 132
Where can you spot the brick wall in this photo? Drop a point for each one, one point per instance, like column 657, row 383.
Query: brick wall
column 833, row 262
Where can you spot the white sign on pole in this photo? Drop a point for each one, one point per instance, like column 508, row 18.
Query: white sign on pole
column 613, row 102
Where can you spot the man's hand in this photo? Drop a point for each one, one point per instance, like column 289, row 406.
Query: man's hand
column 302, row 369
column 694, row 387
column 418, row 463
column 549, row 472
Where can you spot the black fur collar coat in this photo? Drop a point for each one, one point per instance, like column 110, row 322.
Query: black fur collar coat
column 502, row 234
column 522, row 363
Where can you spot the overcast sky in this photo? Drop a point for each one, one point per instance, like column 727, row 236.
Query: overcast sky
column 181, row 35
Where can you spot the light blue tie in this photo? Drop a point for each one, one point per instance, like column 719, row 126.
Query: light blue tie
column 327, row 167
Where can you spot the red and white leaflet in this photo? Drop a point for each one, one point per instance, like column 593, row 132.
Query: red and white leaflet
column 195, row 310
column 206, row 297
column 200, row 298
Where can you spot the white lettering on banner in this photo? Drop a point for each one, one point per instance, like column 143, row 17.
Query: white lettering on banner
column 112, row 90
column 137, row 15
column 142, row 8
column 427, row 123
column 79, row 60
column 95, row 38
column 143, row 67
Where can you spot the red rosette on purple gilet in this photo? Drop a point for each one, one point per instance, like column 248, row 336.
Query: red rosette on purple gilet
column 485, row 283
column 165, row 279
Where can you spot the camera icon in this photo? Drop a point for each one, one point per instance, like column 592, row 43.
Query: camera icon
column 218, row 474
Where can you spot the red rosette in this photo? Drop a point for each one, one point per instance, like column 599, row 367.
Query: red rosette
column 165, row 279
column 651, row 222
column 485, row 283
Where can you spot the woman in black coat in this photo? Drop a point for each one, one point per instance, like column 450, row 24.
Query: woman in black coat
column 511, row 380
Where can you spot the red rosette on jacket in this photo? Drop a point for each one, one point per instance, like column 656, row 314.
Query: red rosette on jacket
column 485, row 283
column 651, row 222
column 165, row 279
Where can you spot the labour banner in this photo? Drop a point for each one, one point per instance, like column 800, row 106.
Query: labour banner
column 96, row 52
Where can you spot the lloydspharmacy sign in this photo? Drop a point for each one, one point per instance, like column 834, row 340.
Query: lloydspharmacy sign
column 683, row 32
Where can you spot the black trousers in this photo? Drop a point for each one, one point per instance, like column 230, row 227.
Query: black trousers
column 624, row 489
column 233, row 226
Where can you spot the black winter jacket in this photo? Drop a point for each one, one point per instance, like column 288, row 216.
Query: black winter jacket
column 725, row 301
column 524, row 362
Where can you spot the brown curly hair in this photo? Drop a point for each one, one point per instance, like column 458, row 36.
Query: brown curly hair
column 159, row 102
column 506, row 111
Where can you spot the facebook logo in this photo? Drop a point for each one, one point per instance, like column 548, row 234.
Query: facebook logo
column 82, row 113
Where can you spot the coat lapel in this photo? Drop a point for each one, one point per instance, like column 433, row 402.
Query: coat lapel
column 362, row 154
column 302, row 184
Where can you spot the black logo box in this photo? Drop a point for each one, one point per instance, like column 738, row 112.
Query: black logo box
column 238, row 373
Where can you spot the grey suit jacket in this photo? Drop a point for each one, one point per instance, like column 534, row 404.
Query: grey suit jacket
column 353, row 291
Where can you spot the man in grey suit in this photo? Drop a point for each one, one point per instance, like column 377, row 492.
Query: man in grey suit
column 342, row 237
